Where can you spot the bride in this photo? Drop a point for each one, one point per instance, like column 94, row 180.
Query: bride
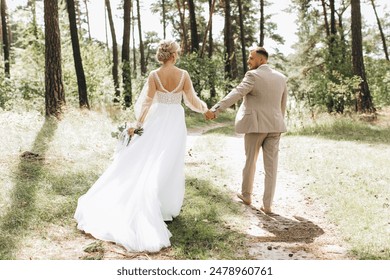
column 144, row 185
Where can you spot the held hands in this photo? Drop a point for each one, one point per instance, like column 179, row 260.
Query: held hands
column 130, row 131
column 210, row 115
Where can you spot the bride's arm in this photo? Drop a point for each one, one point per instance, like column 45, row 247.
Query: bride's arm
column 151, row 91
column 191, row 99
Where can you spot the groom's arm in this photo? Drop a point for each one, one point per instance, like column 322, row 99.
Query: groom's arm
column 236, row 94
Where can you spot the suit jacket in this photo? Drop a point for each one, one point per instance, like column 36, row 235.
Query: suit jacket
column 264, row 91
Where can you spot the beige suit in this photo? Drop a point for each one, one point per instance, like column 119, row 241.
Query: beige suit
column 261, row 118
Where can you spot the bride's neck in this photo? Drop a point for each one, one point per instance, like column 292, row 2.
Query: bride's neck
column 168, row 64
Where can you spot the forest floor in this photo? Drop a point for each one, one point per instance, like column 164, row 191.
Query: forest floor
column 297, row 230
column 326, row 205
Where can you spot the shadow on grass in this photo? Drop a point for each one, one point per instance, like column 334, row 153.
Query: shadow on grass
column 347, row 130
column 63, row 195
column 199, row 232
column 16, row 220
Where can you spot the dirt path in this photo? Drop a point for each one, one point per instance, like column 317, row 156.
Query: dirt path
column 297, row 230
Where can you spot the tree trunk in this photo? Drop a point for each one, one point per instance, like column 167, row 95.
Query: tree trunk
column 381, row 31
column 242, row 35
column 230, row 60
column 6, row 43
column 183, row 27
column 194, row 28
column 211, row 41
column 262, row 21
column 327, row 30
column 32, row 4
column 141, row 43
column 87, row 14
column 54, row 89
column 213, row 91
column 164, row 20
column 343, row 41
column 333, row 29
column 208, row 28
column 228, row 46
column 114, row 52
column 134, row 49
column 106, row 26
column 363, row 99
column 78, row 63
column 333, row 33
column 126, row 70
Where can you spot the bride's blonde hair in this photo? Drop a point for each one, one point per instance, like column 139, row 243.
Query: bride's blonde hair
column 166, row 49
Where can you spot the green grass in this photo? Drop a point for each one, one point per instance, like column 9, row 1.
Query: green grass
column 17, row 217
column 347, row 129
column 44, row 191
column 343, row 164
column 346, row 163
column 40, row 194
column 201, row 231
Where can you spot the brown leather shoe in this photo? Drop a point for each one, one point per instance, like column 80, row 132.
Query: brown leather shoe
column 266, row 210
column 247, row 200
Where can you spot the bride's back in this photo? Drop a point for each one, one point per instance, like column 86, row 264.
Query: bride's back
column 169, row 77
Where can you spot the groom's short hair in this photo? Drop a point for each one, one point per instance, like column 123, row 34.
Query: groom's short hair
column 261, row 50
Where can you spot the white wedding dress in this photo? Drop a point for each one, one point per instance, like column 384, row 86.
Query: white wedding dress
column 144, row 185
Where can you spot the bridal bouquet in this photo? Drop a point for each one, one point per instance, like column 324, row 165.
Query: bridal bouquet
column 125, row 133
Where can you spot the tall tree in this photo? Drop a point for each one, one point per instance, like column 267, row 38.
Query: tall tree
column 126, row 70
column 242, row 36
column 115, row 59
column 32, row 5
column 213, row 91
column 141, row 43
column 364, row 102
column 78, row 63
column 193, row 25
column 380, row 30
column 6, row 43
column 208, row 28
column 183, row 27
column 332, row 39
column 164, row 21
column 343, row 42
column 325, row 13
column 211, row 42
column 333, row 29
column 230, row 60
column 134, row 49
column 262, row 22
column 54, row 88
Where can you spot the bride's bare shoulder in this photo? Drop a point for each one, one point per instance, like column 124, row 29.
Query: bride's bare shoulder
column 180, row 70
column 169, row 72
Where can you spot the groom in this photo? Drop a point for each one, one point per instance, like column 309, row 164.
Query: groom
column 261, row 118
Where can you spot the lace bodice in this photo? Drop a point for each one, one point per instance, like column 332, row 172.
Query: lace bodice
column 169, row 97
column 154, row 91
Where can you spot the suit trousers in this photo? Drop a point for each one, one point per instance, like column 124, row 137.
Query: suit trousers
column 270, row 144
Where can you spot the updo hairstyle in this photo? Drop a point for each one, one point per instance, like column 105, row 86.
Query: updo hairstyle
column 166, row 49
